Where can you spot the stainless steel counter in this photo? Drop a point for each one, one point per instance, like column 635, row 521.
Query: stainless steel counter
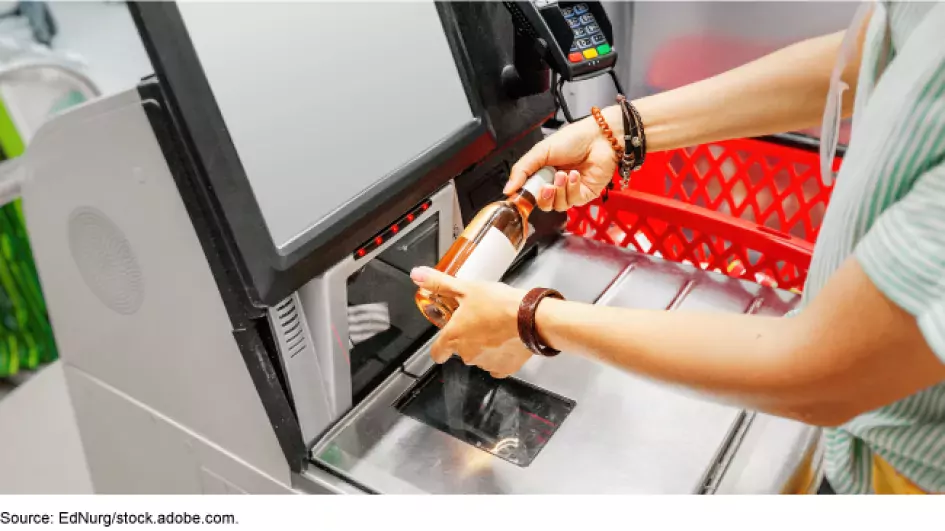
column 624, row 435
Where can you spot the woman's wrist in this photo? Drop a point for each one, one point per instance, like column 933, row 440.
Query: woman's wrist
column 614, row 117
column 546, row 324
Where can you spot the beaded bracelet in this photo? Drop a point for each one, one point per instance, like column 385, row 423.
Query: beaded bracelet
column 607, row 132
column 631, row 156
column 609, row 135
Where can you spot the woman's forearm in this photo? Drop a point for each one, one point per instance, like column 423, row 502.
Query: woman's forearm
column 722, row 353
column 784, row 91
column 851, row 350
column 749, row 360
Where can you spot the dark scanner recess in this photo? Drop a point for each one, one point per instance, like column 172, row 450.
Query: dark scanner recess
column 508, row 418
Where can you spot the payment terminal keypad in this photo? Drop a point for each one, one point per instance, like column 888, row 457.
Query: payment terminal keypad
column 589, row 42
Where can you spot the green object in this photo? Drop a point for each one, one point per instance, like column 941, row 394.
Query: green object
column 333, row 455
column 26, row 338
column 71, row 99
column 10, row 140
column 603, row 49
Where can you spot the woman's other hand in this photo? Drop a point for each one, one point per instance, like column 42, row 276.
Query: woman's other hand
column 584, row 157
column 484, row 329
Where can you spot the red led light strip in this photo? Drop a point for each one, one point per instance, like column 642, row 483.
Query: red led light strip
column 391, row 230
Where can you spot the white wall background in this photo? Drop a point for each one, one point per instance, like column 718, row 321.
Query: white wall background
column 101, row 32
column 104, row 34
column 747, row 30
column 689, row 40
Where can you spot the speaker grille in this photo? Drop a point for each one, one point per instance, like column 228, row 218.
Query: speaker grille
column 105, row 260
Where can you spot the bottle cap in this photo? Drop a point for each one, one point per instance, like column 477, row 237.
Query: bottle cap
column 540, row 178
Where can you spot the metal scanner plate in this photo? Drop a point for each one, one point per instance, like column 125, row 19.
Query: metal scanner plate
column 626, row 435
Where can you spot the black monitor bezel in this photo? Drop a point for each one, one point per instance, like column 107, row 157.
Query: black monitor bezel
column 270, row 274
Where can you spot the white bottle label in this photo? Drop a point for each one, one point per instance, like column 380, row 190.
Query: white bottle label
column 490, row 259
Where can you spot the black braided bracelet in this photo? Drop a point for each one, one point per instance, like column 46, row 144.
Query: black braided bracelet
column 634, row 140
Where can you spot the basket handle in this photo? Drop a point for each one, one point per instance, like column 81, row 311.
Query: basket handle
column 774, row 232
column 782, row 247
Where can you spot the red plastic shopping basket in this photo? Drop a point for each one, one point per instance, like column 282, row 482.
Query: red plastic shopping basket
column 748, row 208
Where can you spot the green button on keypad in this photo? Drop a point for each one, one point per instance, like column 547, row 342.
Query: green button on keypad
column 603, row 49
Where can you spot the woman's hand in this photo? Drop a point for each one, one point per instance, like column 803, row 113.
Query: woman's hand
column 584, row 157
column 484, row 329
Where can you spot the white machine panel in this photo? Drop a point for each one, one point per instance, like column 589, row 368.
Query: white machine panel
column 132, row 299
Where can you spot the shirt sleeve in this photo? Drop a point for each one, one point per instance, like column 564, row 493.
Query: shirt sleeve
column 903, row 254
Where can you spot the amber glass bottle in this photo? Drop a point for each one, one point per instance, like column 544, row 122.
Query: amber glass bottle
column 487, row 246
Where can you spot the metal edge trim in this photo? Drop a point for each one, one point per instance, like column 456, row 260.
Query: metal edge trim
column 716, row 472
column 606, row 295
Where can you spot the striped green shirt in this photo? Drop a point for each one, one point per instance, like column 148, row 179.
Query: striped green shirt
column 888, row 210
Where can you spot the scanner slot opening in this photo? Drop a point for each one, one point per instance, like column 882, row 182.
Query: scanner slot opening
column 385, row 327
column 508, row 418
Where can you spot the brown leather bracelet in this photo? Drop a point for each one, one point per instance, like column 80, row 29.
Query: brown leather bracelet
column 526, row 320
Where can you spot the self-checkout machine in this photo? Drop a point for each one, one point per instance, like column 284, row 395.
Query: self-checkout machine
column 225, row 252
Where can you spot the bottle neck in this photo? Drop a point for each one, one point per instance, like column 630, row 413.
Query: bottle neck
column 527, row 197
column 524, row 201
column 534, row 183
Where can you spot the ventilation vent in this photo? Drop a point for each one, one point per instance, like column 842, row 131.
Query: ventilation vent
column 288, row 320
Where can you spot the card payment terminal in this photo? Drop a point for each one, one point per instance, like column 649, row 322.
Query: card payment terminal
column 574, row 38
